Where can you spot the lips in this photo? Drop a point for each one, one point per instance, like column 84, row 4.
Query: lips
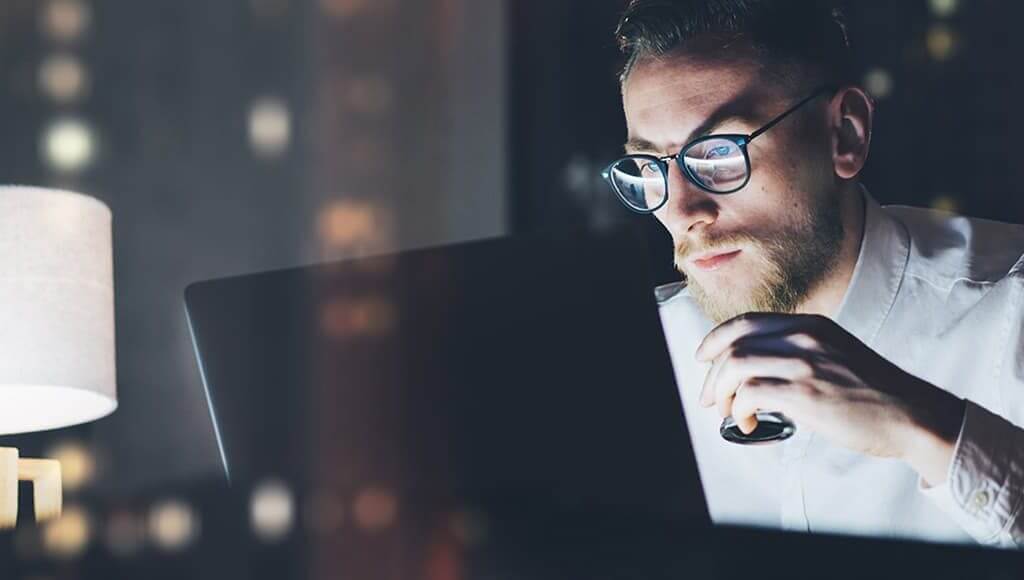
column 715, row 261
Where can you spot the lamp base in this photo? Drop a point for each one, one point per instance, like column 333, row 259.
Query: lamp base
column 46, row 486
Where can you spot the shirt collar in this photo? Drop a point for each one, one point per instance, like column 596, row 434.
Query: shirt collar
column 884, row 251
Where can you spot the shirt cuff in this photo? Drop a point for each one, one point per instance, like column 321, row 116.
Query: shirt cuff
column 984, row 488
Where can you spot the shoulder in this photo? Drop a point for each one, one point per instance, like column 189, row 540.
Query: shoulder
column 948, row 248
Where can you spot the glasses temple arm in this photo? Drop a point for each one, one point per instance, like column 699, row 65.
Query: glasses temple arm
column 786, row 113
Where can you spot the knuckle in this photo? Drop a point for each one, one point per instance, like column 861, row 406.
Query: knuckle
column 807, row 391
column 805, row 340
column 804, row 366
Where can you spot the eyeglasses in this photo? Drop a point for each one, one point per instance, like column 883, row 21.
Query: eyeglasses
column 718, row 164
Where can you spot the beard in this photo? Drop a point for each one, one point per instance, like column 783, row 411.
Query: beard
column 793, row 261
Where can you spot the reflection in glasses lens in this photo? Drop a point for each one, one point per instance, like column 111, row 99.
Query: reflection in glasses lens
column 717, row 164
column 639, row 181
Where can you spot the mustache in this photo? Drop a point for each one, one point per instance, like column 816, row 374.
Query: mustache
column 687, row 248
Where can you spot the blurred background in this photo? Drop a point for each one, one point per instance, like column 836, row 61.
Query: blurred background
column 243, row 135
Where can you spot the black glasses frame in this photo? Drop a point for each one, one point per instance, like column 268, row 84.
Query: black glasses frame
column 740, row 140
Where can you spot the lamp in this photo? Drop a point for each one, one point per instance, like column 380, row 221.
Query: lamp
column 56, row 329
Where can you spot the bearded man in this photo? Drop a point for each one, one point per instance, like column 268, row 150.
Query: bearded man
column 891, row 338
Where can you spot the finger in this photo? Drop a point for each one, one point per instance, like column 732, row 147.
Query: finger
column 707, row 397
column 750, row 324
column 742, row 367
column 757, row 395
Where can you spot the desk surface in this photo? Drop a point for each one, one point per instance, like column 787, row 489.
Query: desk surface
column 375, row 536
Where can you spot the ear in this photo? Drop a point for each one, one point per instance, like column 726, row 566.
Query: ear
column 851, row 112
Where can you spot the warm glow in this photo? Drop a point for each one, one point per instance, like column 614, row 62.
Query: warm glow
column 173, row 525
column 68, row 535
column 349, row 225
column 77, row 464
column 272, row 511
column 941, row 42
column 946, row 203
column 343, row 9
column 69, row 145
column 65, row 20
column 358, row 317
column 375, row 509
column 62, row 78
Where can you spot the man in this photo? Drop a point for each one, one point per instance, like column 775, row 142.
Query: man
column 891, row 337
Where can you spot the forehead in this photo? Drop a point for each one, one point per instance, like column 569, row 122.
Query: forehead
column 666, row 97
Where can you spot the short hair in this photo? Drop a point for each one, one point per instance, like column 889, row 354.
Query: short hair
column 808, row 34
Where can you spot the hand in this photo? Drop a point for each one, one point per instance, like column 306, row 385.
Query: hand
column 810, row 369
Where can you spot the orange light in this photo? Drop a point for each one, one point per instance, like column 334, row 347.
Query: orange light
column 941, row 42
column 354, row 317
column 350, row 225
column 375, row 509
column 77, row 465
column 343, row 9
column 67, row 536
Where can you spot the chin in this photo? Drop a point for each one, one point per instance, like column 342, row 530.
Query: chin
column 720, row 300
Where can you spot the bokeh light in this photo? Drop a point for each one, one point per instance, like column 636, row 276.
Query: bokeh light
column 878, row 83
column 347, row 225
column 941, row 42
column 375, row 509
column 65, row 20
column 77, row 464
column 69, row 145
column 358, row 317
column 946, row 203
column 62, row 78
column 173, row 525
column 67, row 536
column 272, row 511
column 343, row 9
column 270, row 127
column 943, row 8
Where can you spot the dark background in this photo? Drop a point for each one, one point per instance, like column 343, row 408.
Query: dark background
column 232, row 136
column 942, row 73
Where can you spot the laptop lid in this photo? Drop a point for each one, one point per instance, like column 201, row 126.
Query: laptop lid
column 499, row 372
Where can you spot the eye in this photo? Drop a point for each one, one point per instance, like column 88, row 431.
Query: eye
column 718, row 152
column 649, row 169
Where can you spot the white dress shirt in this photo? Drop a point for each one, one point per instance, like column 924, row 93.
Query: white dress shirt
column 940, row 296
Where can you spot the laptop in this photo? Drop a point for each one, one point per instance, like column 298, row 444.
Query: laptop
column 525, row 377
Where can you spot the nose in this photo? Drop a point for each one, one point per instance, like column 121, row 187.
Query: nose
column 689, row 208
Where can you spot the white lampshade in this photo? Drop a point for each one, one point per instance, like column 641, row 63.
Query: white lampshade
column 56, row 310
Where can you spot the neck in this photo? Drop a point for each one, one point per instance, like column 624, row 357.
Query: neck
column 827, row 296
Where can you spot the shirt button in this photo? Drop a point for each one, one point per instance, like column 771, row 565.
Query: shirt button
column 982, row 499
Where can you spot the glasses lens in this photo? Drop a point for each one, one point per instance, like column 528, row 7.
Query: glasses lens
column 639, row 181
column 717, row 164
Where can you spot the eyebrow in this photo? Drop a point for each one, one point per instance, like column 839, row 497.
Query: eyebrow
column 734, row 110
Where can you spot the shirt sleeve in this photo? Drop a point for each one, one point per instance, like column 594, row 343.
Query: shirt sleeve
column 984, row 489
